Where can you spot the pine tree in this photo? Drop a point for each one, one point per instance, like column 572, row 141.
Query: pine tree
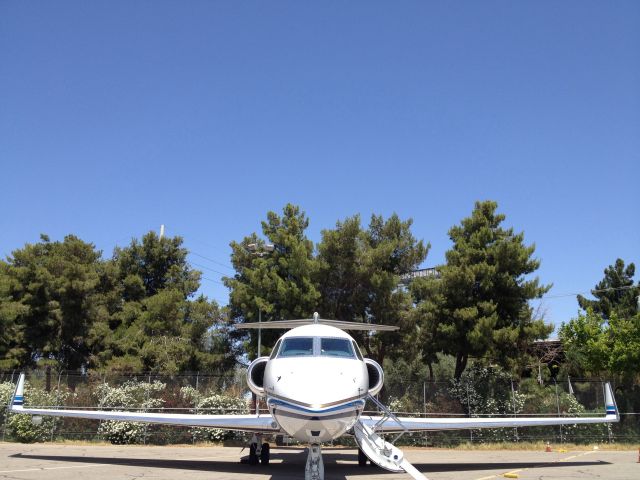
column 273, row 277
column 483, row 301
column 614, row 293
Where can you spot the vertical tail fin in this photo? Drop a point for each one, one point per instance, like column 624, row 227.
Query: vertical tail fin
column 18, row 397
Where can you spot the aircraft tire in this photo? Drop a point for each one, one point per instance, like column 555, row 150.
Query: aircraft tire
column 265, row 454
column 253, row 458
column 362, row 458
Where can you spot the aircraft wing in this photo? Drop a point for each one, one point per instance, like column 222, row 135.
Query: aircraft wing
column 248, row 423
column 433, row 424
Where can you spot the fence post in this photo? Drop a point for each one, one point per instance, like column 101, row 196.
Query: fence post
column 146, row 425
column 424, row 408
column 104, row 382
column 515, row 410
column 6, row 415
column 424, row 397
column 53, row 424
column 469, row 408
column 193, row 432
column 558, row 405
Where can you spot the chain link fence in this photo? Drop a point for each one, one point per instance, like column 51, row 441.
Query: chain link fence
column 485, row 396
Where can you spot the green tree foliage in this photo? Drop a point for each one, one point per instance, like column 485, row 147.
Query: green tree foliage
column 358, row 276
column 604, row 339
column 428, row 297
column 602, row 347
column 157, row 326
column 145, row 268
column 51, row 294
column 12, row 347
column 276, row 282
column 62, row 304
column 340, row 273
column 614, row 293
column 480, row 303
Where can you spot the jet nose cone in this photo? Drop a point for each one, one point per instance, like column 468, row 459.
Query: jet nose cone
column 320, row 383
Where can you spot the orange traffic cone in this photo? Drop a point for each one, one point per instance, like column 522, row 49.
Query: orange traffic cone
column 548, row 449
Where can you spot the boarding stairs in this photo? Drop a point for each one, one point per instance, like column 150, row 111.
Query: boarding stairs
column 380, row 452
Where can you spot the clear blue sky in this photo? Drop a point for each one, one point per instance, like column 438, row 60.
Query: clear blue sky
column 119, row 116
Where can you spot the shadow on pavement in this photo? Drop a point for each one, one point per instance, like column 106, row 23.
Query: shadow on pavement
column 290, row 464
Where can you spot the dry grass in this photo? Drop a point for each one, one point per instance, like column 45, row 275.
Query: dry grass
column 541, row 446
column 531, row 446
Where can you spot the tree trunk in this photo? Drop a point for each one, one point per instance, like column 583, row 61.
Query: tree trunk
column 48, row 379
column 461, row 364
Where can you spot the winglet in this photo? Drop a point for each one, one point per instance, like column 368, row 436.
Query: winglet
column 611, row 408
column 18, row 396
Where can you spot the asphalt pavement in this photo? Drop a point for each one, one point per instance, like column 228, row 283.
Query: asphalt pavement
column 98, row 462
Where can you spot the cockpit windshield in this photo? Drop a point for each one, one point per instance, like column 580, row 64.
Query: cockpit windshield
column 315, row 346
column 336, row 347
column 296, row 347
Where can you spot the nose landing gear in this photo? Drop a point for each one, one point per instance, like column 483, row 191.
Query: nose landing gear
column 264, row 454
column 314, row 469
column 362, row 458
column 258, row 452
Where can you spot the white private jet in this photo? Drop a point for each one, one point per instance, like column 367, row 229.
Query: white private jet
column 315, row 384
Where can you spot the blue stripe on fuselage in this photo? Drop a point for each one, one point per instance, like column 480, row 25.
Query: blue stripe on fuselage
column 310, row 411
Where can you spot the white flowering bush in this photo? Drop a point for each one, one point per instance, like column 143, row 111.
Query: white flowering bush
column 122, row 433
column 211, row 403
column 131, row 394
column 6, row 392
column 397, row 405
column 584, row 433
column 21, row 426
column 484, row 391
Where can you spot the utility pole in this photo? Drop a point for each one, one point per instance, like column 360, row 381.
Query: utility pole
column 161, row 231
column 260, row 251
column 259, row 331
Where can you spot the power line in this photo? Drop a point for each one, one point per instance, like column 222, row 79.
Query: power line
column 191, row 252
column 191, row 238
column 611, row 289
column 210, row 269
column 212, row 280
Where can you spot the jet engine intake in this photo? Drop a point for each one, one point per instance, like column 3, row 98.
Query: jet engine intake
column 376, row 376
column 255, row 375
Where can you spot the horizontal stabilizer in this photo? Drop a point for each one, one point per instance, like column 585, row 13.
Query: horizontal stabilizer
column 342, row 325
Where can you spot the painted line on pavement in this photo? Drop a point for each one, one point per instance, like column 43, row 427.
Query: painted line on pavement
column 536, row 466
column 42, row 469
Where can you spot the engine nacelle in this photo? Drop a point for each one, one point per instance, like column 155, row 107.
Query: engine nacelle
column 376, row 376
column 255, row 375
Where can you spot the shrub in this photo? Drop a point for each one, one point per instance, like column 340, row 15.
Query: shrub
column 21, row 426
column 131, row 394
column 211, row 403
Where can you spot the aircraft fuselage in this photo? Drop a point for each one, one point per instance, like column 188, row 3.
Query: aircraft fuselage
column 315, row 383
